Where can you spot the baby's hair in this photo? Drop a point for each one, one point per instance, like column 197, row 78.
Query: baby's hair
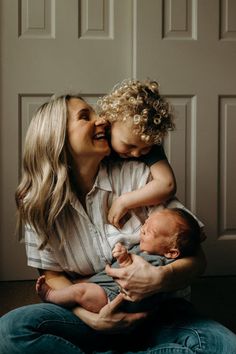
column 189, row 234
column 140, row 103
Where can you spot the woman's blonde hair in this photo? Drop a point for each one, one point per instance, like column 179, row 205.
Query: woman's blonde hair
column 139, row 102
column 42, row 196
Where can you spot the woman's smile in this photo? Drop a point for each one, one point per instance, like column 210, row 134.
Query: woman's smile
column 85, row 136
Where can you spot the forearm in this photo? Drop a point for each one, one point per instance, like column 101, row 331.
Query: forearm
column 160, row 189
column 180, row 273
column 109, row 318
column 87, row 317
column 153, row 193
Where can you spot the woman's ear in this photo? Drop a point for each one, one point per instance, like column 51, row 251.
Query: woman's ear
column 172, row 253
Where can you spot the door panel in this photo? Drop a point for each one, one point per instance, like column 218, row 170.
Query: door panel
column 189, row 46
column 47, row 47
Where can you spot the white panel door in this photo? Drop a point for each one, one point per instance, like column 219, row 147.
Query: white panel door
column 190, row 47
column 46, row 47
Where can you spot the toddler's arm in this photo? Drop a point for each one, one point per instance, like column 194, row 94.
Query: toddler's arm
column 161, row 188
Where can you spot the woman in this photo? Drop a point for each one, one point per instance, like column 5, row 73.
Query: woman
column 63, row 199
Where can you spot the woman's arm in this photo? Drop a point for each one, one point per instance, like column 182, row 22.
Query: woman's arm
column 141, row 279
column 183, row 271
column 161, row 188
column 110, row 318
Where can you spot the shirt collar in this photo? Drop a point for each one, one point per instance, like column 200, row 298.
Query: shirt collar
column 102, row 182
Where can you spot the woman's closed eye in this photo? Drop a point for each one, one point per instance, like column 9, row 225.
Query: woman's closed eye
column 84, row 114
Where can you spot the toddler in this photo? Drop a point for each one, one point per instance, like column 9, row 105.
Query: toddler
column 140, row 118
column 166, row 235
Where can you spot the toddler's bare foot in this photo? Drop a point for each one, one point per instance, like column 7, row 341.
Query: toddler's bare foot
column 43, row 289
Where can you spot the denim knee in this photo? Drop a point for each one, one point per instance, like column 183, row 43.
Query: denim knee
column 39, row 328
column 196, row 335
column 215, row 338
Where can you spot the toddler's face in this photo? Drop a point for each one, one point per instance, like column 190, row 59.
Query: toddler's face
column 125, row 142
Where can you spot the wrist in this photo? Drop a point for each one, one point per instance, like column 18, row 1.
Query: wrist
column 164, row 277
column 124, row 201
column 87, row 317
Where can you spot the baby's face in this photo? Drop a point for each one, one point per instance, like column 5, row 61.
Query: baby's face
column 125, row 142
column 155, row 235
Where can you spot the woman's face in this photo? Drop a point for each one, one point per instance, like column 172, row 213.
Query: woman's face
column 84, row 137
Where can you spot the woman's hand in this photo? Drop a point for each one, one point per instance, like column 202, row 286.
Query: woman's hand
column 140, row 279
column 110, row 318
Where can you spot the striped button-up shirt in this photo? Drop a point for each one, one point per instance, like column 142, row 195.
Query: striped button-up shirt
column 89, row 239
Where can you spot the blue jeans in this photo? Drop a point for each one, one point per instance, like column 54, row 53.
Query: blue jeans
column 48, row 328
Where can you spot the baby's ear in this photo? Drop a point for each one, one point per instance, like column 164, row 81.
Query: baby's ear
column 172, row 253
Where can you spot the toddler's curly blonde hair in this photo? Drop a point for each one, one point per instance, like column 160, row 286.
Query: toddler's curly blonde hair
column 139, row 102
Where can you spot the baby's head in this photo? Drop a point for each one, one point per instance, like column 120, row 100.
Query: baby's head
column 139, row 117
column 172, row 233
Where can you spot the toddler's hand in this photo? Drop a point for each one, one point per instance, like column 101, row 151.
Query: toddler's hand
column 117, row 211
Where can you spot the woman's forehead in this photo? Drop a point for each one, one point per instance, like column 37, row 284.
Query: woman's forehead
column 75, row 103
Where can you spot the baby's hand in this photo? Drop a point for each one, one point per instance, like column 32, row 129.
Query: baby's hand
column 118, row 250
column 117, row 211
column 121, row 254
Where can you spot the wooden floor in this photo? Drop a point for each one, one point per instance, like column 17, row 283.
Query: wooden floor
column 214, row 297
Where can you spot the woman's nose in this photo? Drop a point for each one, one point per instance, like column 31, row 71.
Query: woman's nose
column 100, row 121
